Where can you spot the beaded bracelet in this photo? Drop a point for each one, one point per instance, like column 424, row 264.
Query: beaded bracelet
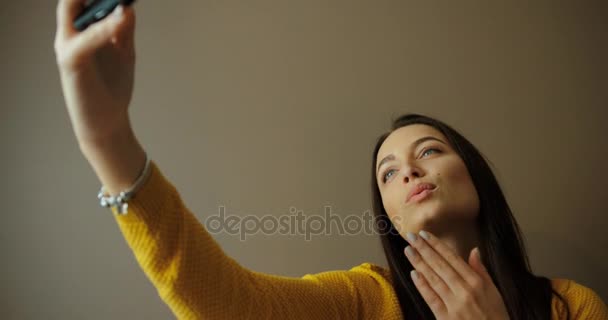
column 120, row 201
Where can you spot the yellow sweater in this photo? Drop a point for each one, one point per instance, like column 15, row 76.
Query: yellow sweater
column 197, row 280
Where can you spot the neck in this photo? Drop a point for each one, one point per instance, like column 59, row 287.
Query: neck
column 461, row 238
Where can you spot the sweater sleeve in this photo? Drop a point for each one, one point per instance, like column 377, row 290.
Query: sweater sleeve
column 197, row 280
column 583, row 302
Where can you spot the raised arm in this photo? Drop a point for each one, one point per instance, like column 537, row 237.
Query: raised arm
column 190, row 271
column 198, row 280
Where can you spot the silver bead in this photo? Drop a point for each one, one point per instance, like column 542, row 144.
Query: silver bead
column 120, row 201
column 123, row 208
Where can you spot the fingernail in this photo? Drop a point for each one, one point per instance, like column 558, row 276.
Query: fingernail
column 425, row 235
column 414, row 274
column 118, row 11
column 477, row 252
column 410, row 252
column 411, row 237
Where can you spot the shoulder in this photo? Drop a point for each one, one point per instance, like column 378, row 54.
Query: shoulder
column 374, row 270
column 371, row 272
column 368, row 277
column 583, row 302
column 367, row 288
column 366, row 274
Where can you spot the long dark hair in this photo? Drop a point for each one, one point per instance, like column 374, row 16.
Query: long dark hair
column 501, row 245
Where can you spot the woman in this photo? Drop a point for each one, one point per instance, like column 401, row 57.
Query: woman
column 467, row 209
column 426, row 177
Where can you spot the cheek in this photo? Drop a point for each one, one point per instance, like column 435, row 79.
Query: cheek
column 460, row 189
column 393, row 207
column 390, row 201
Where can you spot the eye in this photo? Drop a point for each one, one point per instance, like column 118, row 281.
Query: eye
column 386, row 173
column 385, row 176
column 429, row 149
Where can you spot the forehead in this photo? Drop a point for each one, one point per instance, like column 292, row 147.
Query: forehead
column 402, row 138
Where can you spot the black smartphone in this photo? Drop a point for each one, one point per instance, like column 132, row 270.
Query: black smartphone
column 97, row 10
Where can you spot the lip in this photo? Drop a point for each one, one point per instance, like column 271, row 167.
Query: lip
column 420, row 191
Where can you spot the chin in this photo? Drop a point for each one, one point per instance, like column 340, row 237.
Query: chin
column 420, row 216
column 424, row 217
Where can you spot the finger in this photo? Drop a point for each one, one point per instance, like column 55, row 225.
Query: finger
column 437, row 263
column 67, row 10
column 429, row 295
column 477, row 265
column 434, row 281
column 100, row 33
column 460, row 266
column 125, row 34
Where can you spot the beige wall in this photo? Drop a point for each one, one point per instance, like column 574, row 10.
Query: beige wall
column 263, row 105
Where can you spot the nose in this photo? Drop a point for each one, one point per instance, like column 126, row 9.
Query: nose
column 411, row 172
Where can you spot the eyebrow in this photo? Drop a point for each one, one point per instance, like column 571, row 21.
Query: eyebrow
column 414, row 144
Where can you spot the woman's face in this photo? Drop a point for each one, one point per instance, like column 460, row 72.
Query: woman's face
column 422, row 154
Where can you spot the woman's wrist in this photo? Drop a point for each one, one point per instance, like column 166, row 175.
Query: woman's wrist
column 117, row 160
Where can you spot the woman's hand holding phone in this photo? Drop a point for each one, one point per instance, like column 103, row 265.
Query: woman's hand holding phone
column 96, row 68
